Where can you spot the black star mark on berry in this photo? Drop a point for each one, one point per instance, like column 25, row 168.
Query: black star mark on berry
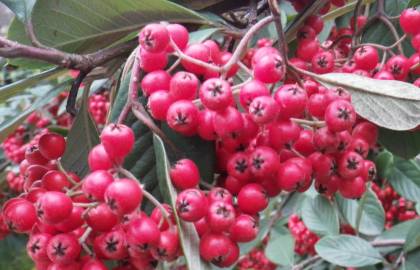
column 322, row 189
column 39, row 211
column 396, row 69
column 181, row 119
column 216, row 90
column 10, row 226
column 241, row 165
column 257, row 162
column 162, row 253
column 111, row 244
column 35, row 247
column 223, row 211
column 257, row 109
column 352, row 164
column 112, row 203
column 322, row 62
column 343, row 113
column 143, row 247
column 59, row 249
column 183, row 206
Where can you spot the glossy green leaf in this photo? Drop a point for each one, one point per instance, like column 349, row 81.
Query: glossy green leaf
column 280, row 249
column 21, row 8
column 13, row 254
column 412, row 240
column 391, row 104
column 347, row 251
column 414, row 3
column 17, row 87
column 188, row 235
column 82, row 137
column 11, row 124
column 405, row 144
column 319, row 216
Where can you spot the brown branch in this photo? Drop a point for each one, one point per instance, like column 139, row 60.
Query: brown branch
column 85, row 62
column 71, row 100
column 282, row 44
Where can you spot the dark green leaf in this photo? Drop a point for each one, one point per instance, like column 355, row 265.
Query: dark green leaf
column 14, row 88
column 188, row 235
column 412, row 240
column 21, row 8
column 405, row 144
column 405, row 179
column 384, row 164
column 319, row 216
column 198, row 5
column 82, row 137
column 390, row 104
column 413, row 3
column 13, row 254
column 10, row 125
column 280, row 249
column 348, row 251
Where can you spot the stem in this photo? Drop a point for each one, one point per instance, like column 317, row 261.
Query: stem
column 307, row 262
column 85, row 235
column 388, row 243
column 308, row 122
column 275, row 10
column 69, row 178
column 245, row 68
column 86, row 205
column 148, row 195
column 394, row 32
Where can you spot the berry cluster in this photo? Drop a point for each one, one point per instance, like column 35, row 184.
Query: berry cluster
column 305, row 240
column 255, row 260
column 397, row 209
column 99, row 106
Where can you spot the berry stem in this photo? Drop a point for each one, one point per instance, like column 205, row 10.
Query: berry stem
column 61, row 169
column 148, row 195
column 86, row 205
column 275, row 10
column 85, row 235
column 310, row 123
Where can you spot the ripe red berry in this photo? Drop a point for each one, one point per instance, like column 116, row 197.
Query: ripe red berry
column 153, row 61
column 184, row 174
column 34, row 156
column 398, row 66
column 205, row 127
column 228, row 122
column 63, row 249
column 101, row 218
column 340, row 115
column 316, row 22
column 168, row 247
column 72, row 222
column 143, row 233
column 123, row 196
column 155, row 81
column 238, row 166
column 217, row 194
column 410, row 20
column 269, row 69
column 263, row 110
column 95, row 184
column 366, row 131
column 263, row 51
column 199, row 52
column 252, row 199
column 216, row 94
column 350, row 165
column 325, row 140
column 182, row 116
column 292, row 100
column 283, row 134
column 159, row 103
column 53, row 207
column 307, row 49
column 98, row 159
column 352, row 188
column 179, row 34
column 366, row 57
column 244, row 229
column 118, row 140
column 154, row 38
column 214, row 247
column 55, row 181
column 112, row 245
column 19, row 215
column 191, row 205
column 37, row 246
column 251, row 90
column 183, row 85
column 51, row 145
column 323, row 62
column 220, row 216
column 264, row 162
column 292, row 175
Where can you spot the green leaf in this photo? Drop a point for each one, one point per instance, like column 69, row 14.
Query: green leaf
column 405, row 144
column 11, row 124
column 188, row 235
column 13, row 254
column 84, row 26
column 405, row 179
column 14, row 88
column 21, row 8
column 391, row 104
column 280, row 249
column 319, row 216
column 370, row 213
column 371, row 219
column 397, row 232
column 347, row 251
column 263, row 230
column 384, row 164
column 413, row 3
column 201, row 35
column 82, row 137
column 412, row 240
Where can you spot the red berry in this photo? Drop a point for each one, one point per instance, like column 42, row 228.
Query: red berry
column 123, row 196
column 214, row 247
column 292, row 100
column 182, row 116
column 350, row 165
column 410, row 20
column 263, row 110
column 168, row 247
column 220, row 216
column 55, row 181
column 179, row 34
column 118, row 140
column 37, row 246
column 252, row 199
column 72, row 222
column 199, row 52
column 238, row 166
column 185, row 174
column 366, row 57
column 183, row 85
column 153, row 61
column 251, row 90
column 398, row 66
column 323, row 62
column 154, row 38
column 244, row 229
column 228, row 122
column 155, row 81
column 34, row 156
column 283, row 134
column 269, row 69
column 205, row 127
column 352, row 188
column 101, row 218
column 143, row 233
column 53, row 207
column 191, row 205
column 98, row 159
column 340, row 115
column 51, row 145
column 216, row 94
column 217, row 194
column 159, row 103
column 19, row 215
column 63, row 249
